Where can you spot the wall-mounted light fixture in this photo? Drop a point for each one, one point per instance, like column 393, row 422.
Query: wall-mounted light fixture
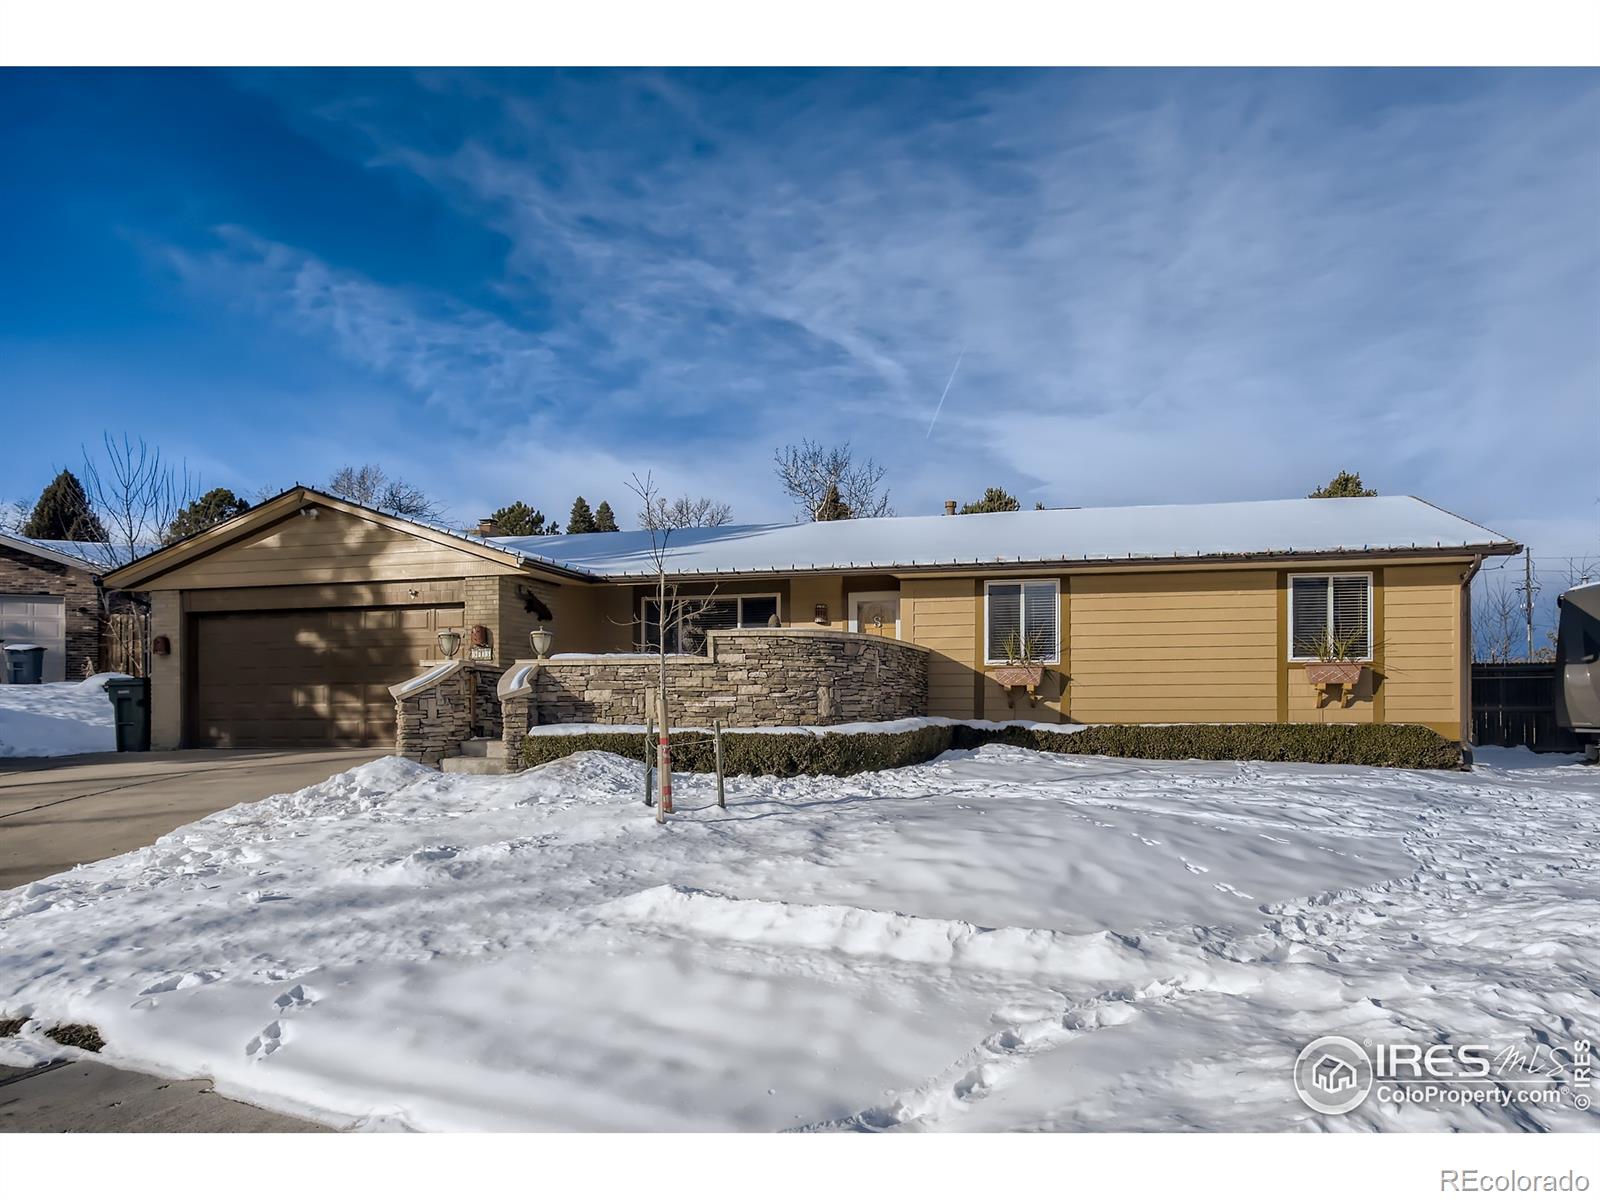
column 821, row 617
column 161, row 644
column 449, row 642
column 310, row 511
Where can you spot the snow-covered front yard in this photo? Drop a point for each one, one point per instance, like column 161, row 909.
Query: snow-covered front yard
column 999, row 939
column 46, row 719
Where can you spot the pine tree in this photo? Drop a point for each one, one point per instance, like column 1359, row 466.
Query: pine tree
column 994, row 500
column 518, row 520
column 63, row 513
column 215, row 507
column 832, row 507
column 1345, row 483
column 580, row 520
column 605, row 521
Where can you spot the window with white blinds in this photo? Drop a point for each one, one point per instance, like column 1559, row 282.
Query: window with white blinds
column 1022, row 621
column 1328, row 610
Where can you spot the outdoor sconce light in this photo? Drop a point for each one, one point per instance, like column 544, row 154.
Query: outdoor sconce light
column 541, row 639
column 822, row 615
column 480, row 635
column 309, row 511
column 161, row 644
column 449, row 642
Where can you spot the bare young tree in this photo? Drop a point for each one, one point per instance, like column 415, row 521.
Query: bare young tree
column 686, row 512
column 672, row 612
column 827, row 484
column 370, row 485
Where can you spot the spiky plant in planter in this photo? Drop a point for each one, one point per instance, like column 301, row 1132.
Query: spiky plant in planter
column 1338, row 658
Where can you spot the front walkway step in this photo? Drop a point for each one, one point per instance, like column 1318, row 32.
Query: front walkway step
column 471, row 765
column 484, row 748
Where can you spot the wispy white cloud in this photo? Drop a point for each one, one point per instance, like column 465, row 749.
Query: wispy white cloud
column 1171, row 285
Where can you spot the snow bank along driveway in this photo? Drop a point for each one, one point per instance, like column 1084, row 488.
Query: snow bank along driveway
column 995, row 940
column 40, row 719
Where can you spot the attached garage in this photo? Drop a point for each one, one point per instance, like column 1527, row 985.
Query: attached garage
column 287, row 625
column 299, row 677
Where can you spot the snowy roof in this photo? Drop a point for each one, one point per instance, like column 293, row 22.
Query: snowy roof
column 1277, row 528
column 87, row 555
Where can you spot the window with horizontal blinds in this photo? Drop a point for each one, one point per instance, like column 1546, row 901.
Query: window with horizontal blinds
column 1022, row 621
column 1328, row 610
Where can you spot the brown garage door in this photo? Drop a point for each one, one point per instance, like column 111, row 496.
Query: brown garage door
column 308, row 677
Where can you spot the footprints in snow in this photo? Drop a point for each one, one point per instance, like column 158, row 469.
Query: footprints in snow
column 273, row 1037
column 268, row 1041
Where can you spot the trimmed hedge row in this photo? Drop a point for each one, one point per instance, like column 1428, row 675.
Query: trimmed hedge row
column 784, row 754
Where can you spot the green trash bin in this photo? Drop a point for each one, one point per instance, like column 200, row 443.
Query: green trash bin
column 130, row 704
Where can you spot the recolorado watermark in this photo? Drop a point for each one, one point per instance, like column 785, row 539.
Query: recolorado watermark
column 1336, row 1075
column 1511, row 1183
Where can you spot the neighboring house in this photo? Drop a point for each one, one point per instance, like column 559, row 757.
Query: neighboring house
column 50, row 597
column 286, row 625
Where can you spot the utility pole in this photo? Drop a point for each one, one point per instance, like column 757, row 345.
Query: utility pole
column 1527, row 594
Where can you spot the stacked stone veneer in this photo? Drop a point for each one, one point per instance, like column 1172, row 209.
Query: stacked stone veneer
column 746, row 677
column 433, row 720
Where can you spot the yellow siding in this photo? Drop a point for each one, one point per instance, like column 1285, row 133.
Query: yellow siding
column 1422, row 646
column 941, row 614
column 1191, row 646
column 332, row 548
column 808, row 591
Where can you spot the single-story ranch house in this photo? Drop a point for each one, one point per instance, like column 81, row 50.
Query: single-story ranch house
column 50, row 597
column 291, row 623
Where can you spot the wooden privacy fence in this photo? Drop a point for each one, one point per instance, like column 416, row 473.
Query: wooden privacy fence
column 1514, row 704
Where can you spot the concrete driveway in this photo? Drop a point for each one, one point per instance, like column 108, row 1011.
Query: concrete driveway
column 58, row 812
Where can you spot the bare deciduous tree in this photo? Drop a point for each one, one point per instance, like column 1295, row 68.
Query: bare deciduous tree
column 686, row 512
column 371, row 486
column 827, row 484
column 1498, row 626
column 136, row 493
column 672, row 610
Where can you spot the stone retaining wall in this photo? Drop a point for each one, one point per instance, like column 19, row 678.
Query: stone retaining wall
column 433, row 718
column 783, row 676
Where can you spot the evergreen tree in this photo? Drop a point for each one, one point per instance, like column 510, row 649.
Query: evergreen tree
column 994, row 500
column 1345, row 483
column 832, row 507
column 63, row 513
column 215, row 507
column 580, row 520
column 518, row 520
column 605, row 521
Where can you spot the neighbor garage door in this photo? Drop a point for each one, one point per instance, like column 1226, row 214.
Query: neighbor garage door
column 37, row 621
column 308, row 677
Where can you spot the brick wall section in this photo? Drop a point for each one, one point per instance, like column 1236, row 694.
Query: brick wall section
column 747, row 677
column 431, row 724
column 24, row 574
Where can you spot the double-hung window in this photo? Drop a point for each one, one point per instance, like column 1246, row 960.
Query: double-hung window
column 1022, row 621
column 1330, row 616
column 697, row 616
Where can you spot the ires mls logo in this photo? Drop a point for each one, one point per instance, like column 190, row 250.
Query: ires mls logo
column 1333, row 1075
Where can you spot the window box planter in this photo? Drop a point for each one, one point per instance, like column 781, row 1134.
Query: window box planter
column 1029, row 677
column 1333, row 674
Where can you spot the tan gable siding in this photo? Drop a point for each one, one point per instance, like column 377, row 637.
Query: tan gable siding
column 334, row 547
column 1191, row 646
column 1422, row 646
column 940, row 614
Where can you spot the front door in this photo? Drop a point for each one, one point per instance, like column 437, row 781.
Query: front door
column 875, row 612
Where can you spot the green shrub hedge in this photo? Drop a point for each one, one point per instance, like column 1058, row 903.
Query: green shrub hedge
column 783, row 754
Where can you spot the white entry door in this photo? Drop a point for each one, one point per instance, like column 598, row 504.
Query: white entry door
column 875, row 612
column 37, row 621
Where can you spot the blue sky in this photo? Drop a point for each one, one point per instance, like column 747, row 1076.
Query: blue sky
column 1169, row 285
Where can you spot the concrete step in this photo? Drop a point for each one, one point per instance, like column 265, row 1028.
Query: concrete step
column 484, row 748
column 463, row 765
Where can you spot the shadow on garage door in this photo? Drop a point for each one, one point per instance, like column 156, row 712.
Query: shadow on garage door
column 308, row 677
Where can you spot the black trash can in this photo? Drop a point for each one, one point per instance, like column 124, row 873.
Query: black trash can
column 130, row 702
column 24, row 664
